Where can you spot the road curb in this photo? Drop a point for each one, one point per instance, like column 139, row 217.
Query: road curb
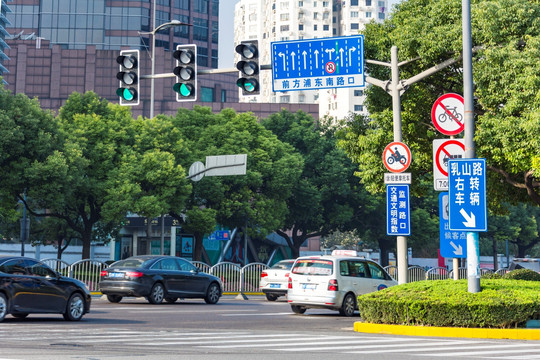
column 514, row 334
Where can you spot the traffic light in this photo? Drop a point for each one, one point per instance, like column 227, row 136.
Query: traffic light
column 186, row 72
column 249, row 67
column 128, row 90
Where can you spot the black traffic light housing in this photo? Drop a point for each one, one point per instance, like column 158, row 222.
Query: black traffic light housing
column 129, row 87
column 186, row 72
column 249, row 67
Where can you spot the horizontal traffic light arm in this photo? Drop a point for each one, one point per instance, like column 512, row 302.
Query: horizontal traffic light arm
column 202, row 72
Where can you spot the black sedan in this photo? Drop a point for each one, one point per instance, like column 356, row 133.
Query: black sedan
column 28, row 286
column 158, row 278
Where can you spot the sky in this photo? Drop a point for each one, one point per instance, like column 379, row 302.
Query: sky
column 226, row 32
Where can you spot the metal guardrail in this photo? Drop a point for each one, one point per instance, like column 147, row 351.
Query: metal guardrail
column 237, row 279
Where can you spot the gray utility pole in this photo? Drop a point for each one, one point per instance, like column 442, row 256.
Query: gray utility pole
column 473, row 248
column 395, row 88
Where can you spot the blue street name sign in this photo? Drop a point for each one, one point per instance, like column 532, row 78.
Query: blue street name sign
column 453, row 244
column 398, row 220
column 318, row 63
column 467, row 194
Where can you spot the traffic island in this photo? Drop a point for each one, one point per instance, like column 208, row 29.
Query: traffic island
column 451, row 332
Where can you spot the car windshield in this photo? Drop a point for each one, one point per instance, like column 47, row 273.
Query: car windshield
column 129, row 263
column 313, row 267
column 283, row 265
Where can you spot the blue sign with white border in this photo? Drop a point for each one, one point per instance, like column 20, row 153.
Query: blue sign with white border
column 398, row 220
column 467, row 194
column 453, row 244
column 321, row 63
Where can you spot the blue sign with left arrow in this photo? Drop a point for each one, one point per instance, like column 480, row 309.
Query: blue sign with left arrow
column 467, row 194
column 318, row 63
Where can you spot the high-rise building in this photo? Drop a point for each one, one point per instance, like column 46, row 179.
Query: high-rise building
column 4, row 9
column 111, row 25
column 279, row 20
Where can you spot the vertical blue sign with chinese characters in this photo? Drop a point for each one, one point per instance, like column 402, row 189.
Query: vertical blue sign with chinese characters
column 398, row 220
column 453, row 244
column 467, row 194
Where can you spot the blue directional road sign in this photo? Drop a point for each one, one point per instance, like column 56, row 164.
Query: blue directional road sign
column 467, row 194
column 453, row 244
column 398, row 220
column 318, row 63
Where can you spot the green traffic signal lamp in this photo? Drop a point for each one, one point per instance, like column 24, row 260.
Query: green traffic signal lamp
column 186, row 72
column 128, row 76
column 249, row 67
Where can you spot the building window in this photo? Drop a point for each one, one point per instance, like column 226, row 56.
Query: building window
column 301, row 27
column 381, row 16
column 325, row 3
column 284, row 28
column 368, row 2
column 284, row 17
column 354, row 14
column 253, row 17
column 381, row 4
column 223, row 96
column 315, row 15
column 368, row 14
column 300, row 4
column 200, row 29
column 182, row 4
column 207, row 94
column 354, row 2
column 354, row 26
column 358, row 107
column 285, row 99
column 301, row 98
column 326, row 27
column 200, row 6
column 358, row 92
column 284, row 5
column 315, row 27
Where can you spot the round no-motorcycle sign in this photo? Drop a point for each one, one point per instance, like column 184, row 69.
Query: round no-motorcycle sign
column 447, row 114
column 396, row 157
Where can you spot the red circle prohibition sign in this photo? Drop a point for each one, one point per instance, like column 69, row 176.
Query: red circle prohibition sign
column 396, row 157
column 447, row 114
column 444, row 148
column 330, row 67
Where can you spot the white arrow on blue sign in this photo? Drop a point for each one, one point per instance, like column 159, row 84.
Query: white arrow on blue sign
column 467, row 194
column 398, row 220
column 453, row 244
column 318, row 63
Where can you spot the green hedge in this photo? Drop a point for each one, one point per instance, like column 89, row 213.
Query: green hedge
column 501, row 304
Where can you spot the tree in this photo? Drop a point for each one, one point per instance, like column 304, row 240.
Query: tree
column 507, row 83
column 256, row 200
column 74, row 183
column 327, row 196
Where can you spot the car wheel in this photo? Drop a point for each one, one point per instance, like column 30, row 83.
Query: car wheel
column 212, row 294
column 20, row 315
column 3, row 307
column 348, row 306
column 114, row 298
column 75, row 308
column 171, row 300
column 156, row 294
column 271, row 297
column 298, row 309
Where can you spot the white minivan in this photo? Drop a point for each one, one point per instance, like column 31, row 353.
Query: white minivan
column 334, row 281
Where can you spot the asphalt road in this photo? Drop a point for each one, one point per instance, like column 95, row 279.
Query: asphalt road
column 232, row 329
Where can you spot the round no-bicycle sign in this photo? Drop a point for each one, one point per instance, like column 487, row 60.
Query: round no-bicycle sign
column 396, row 157
column 447, row 114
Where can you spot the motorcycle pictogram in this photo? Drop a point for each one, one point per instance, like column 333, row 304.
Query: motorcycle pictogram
column 396, row 156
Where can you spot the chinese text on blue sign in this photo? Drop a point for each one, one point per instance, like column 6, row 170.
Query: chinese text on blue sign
column 397, row 210
column 453, row 244
column 467, row 194
column 318, row 63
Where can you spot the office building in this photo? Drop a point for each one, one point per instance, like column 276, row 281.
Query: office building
column 280, row 20
column 4, row 9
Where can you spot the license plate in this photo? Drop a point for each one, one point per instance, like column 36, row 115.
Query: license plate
column 275, row 286
column 116, row 275
column 309, row 286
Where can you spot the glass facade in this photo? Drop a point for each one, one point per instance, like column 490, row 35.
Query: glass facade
column 4, row 9
column 111, row 25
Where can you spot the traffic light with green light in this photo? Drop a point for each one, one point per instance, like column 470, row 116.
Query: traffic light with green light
column 128, row 90
column 249, row 67
column 186, row 72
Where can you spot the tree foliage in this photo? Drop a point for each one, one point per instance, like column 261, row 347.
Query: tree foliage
column 507, row 91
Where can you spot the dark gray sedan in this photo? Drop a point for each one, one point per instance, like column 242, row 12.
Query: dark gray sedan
column 158, row 278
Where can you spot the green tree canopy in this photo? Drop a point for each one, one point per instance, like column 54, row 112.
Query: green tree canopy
column 507, row 91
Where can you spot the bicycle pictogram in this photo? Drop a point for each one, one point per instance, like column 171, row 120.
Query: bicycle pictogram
column 452, row 114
